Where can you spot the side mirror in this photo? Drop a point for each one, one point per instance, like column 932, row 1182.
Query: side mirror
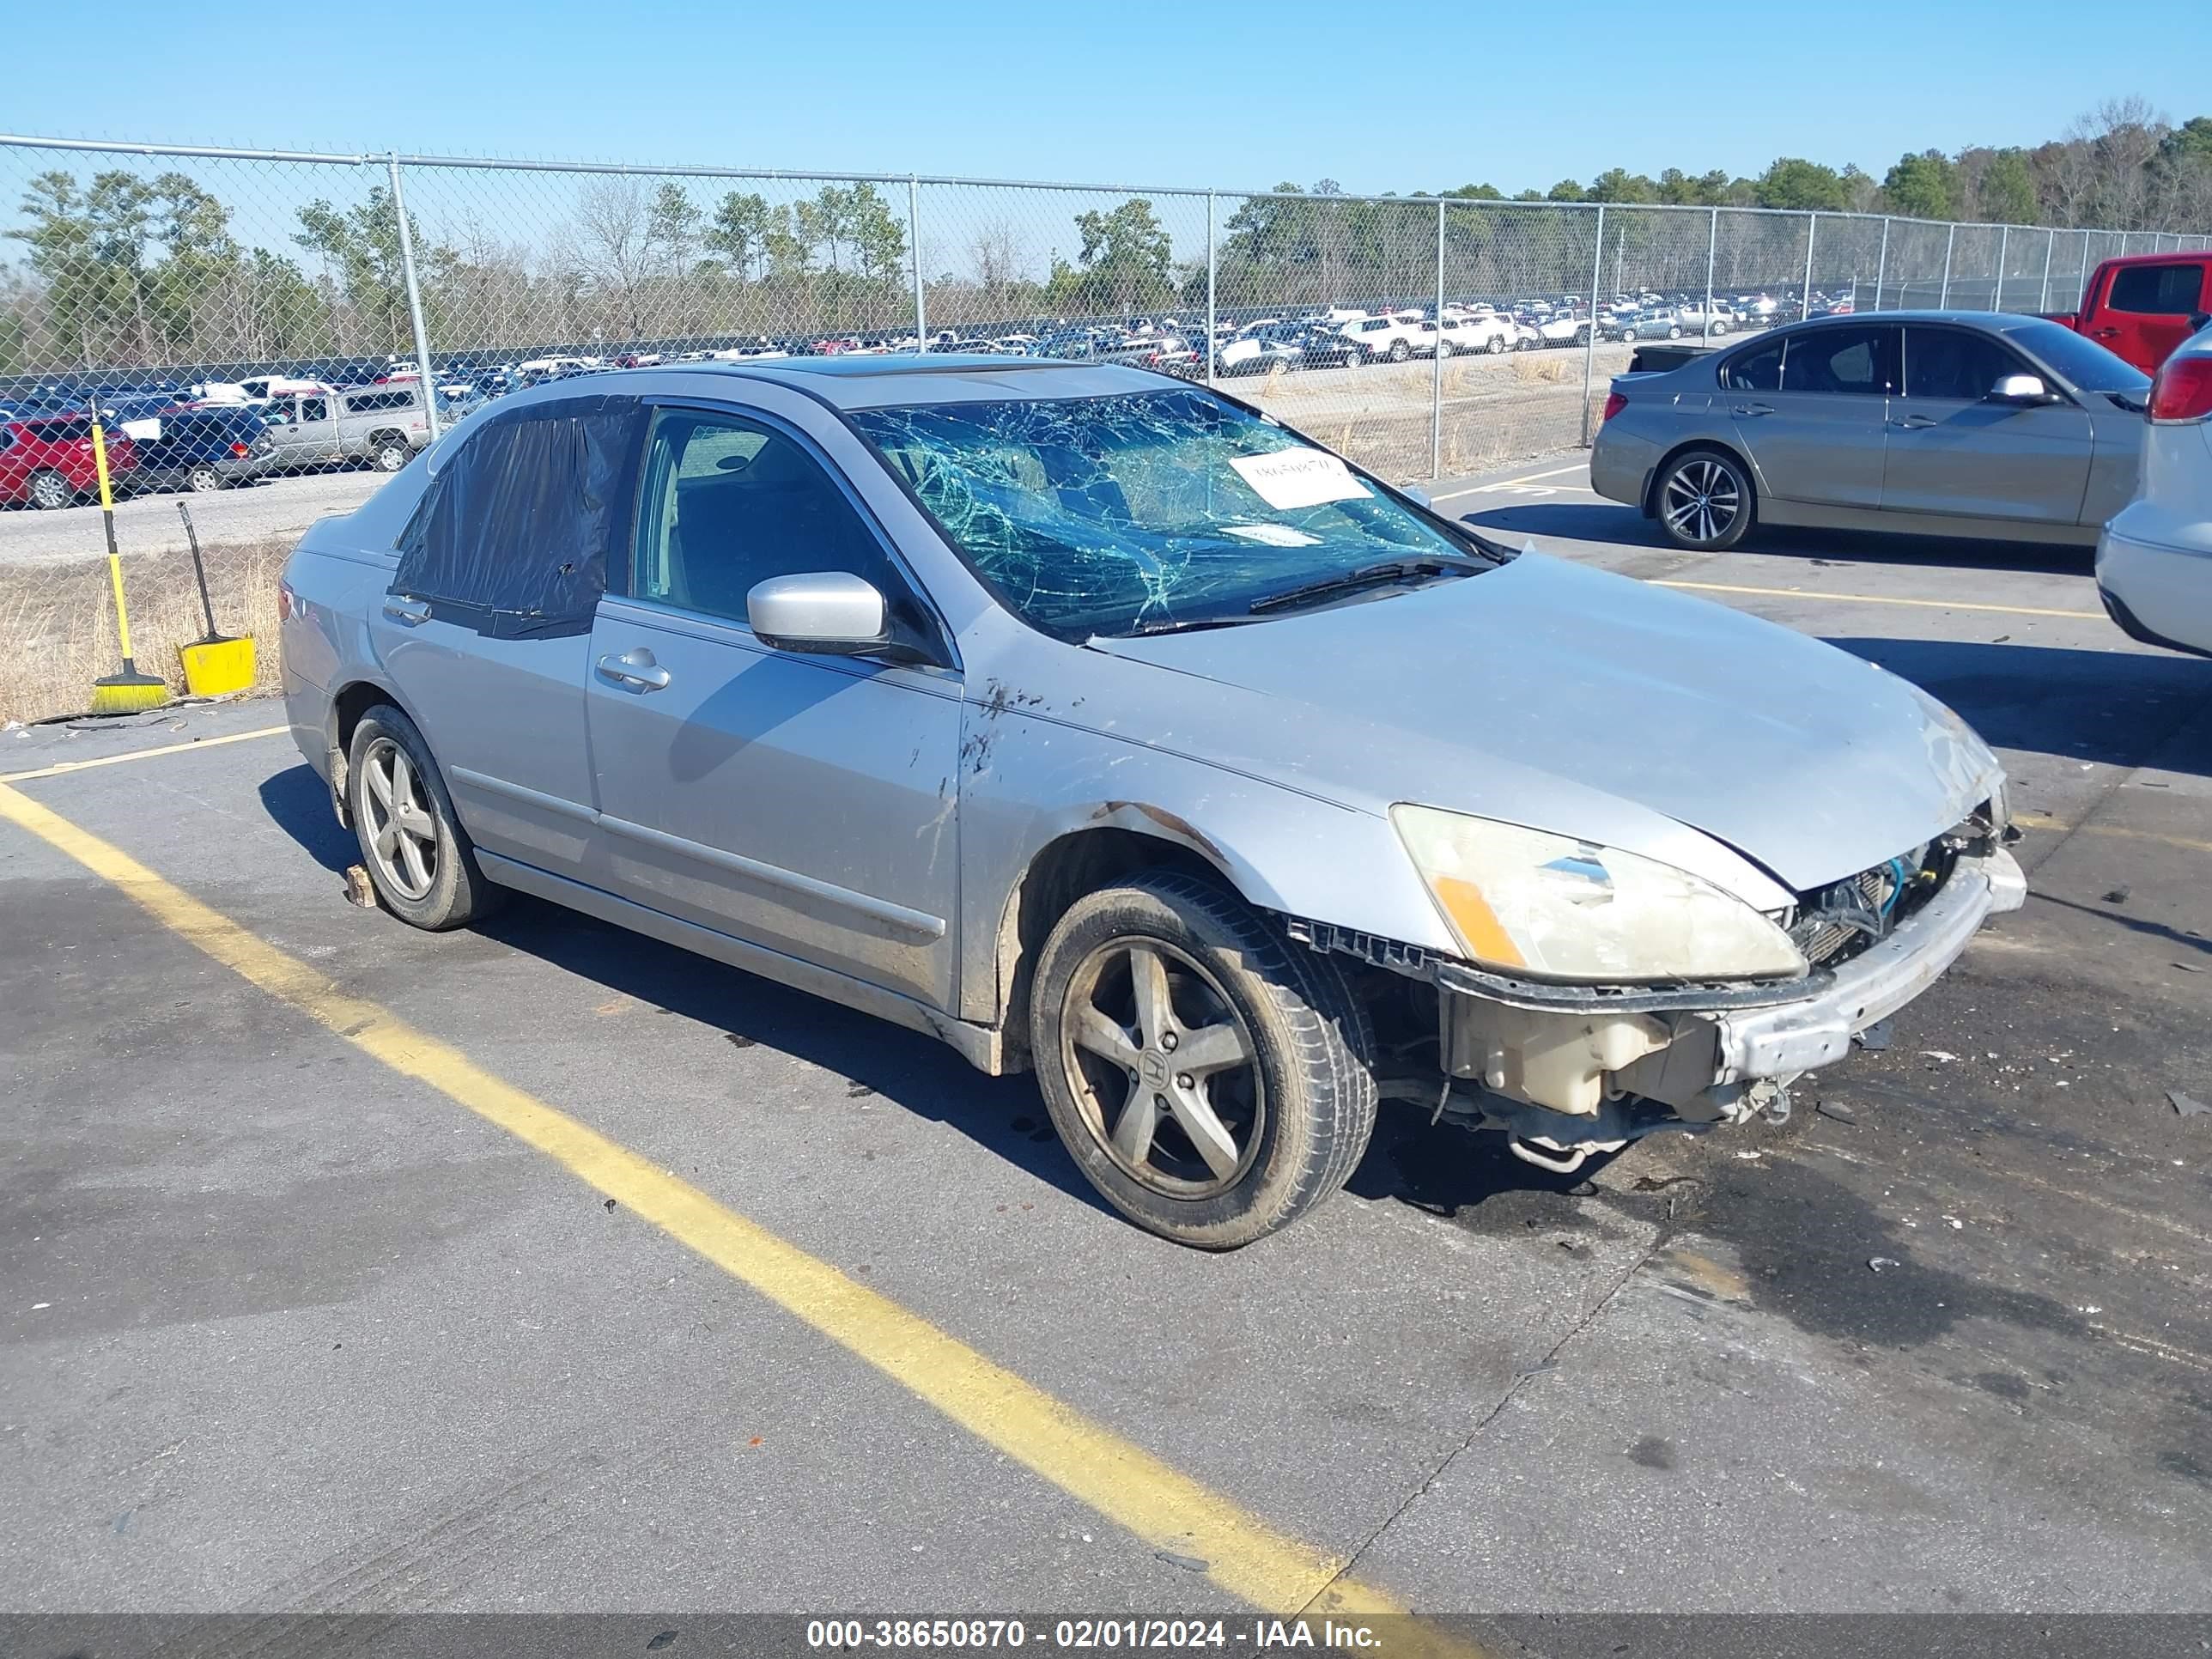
column 827, row 612
column 2020, row 389
column 2197, row 319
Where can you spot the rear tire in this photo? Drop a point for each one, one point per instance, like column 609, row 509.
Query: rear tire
column 204, row 480
column 388, row 452
column 1246, row 1056
column 49, row 491
column 1400, row 352
column 1704, row 500
column 420, row 860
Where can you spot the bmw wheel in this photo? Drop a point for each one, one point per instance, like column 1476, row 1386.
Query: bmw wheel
column 1705, row 501
column 1211, row 1080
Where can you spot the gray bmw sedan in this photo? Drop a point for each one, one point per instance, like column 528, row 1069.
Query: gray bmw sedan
column 1935, row 423
column 1098, row 725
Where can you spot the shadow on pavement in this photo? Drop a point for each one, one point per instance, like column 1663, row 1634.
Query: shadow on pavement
column 2119, row 707
column 1611, row 522
column 299, row 802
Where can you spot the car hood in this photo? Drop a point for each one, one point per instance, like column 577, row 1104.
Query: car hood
column 1569, row 699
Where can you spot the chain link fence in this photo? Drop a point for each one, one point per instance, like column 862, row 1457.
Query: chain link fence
column 1423, row 337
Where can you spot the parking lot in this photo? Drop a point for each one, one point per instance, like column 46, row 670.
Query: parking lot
column 541, row 1267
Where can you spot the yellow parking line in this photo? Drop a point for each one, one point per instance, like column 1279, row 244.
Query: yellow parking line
column 1880, row 599
column 60, row 767
column 1160, row 1505
column 2119, row 831
column 1507, row 484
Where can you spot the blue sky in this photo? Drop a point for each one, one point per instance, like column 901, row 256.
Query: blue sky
column 1405, row 97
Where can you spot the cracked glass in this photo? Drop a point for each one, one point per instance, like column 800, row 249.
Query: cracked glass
column 1141, row 512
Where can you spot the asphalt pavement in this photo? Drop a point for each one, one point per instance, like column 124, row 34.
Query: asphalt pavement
column 302, row 1313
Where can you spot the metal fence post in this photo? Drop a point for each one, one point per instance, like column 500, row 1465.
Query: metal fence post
column 913, row 224
column 1950, row 238
column 1436, row 360
column 424, row 376
column 2049, row 242
column 1882, row 265
column 1712, row 252
column 2004, row 236
column 1805, row 300
column 1590, row 340
column 1211, row 264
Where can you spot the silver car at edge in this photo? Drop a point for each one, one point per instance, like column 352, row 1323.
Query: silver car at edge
column 1937, row 423
column 1097, row 724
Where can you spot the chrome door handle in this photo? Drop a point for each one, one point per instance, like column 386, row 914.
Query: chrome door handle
column 636, row 668
column 1752, row 409
column 410, row 611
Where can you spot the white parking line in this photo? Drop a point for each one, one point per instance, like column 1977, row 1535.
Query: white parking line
column 60, row 767
column 1508, row 483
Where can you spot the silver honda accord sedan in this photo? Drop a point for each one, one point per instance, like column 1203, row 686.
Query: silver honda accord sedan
column 1100, row 725
column 1971, row 423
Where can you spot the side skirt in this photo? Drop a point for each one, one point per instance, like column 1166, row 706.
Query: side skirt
column 981, row 1046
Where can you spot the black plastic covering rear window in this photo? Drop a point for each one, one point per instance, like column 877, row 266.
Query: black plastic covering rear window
column 512, row 536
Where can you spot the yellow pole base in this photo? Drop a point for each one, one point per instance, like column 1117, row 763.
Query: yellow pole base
column 215, row 668
column 129, row 692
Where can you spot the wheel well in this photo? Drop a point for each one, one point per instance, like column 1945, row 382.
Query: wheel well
column 385, row 433
column 1659, row 468
column 1064, row 871
column 348, row 707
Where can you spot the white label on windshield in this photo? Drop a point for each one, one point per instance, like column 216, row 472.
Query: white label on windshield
column 1287, row 479
column 148, row 430
column 1273, row 535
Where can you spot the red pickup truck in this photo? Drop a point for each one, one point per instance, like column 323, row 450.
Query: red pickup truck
column 2142, row 306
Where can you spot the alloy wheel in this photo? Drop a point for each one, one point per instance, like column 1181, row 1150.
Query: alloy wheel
column 49, row 491
column 204, row 479
column 1162, row 1068
column 1701, row 500
column 402, row 835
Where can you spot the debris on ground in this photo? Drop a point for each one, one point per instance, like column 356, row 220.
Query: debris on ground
column 1188, row 1563
column 1882, row 1263
column 359, row 890
column 1941, row 1057
column 2117, row 896
column 1875, row 1038
column 1836, row 1110
column 2186, row 1106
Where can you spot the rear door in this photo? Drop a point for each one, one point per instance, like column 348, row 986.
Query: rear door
column 2145, row 310
column 1809, row 406
column 485, row 632
column 803, row 803
column 1951, row 452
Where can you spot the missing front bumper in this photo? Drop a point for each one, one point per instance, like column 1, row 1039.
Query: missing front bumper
column 1577, row 1063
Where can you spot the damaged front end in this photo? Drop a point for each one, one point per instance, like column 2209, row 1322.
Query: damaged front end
column 1567, row 1070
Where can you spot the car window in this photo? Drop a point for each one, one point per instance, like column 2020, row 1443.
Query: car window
column 2076, row 357
column 1841, row 361
column 728, row 502
column 2158, row 290
column 1955, row 363
column 1757, row 370
column 512, row 536
column 314, row 409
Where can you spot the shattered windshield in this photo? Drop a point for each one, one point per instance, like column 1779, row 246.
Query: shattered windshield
column 1128, row 514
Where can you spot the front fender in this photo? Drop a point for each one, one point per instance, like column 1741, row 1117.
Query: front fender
column 1036, row 781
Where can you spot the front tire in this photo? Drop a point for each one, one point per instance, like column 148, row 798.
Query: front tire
column 1704, row 500
column 1400, row 352
column 49, row 491
column 1210, row 1079
column 419, row 858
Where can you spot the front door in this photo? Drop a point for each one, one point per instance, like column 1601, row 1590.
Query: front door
column 1952, row 452
column 807, row 804
column 1810, row 407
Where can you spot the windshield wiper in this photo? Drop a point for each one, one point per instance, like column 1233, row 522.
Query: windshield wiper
column 1181, row 624
column 1367, row 575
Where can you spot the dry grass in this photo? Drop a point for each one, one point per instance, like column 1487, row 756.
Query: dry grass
column 57, row 622
column 1544, row 367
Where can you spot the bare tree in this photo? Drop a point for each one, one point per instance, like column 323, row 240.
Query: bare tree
column 995, row 251
column 613, row 244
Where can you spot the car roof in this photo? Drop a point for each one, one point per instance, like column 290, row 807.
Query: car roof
column 941, row 377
